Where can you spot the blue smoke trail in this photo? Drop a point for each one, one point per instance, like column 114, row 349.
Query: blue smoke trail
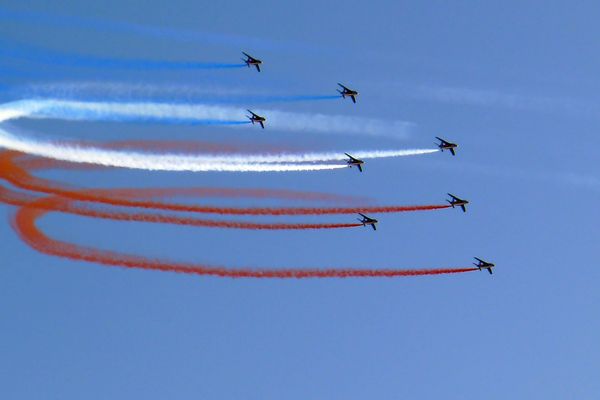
column 33, row 54
column 127, row 92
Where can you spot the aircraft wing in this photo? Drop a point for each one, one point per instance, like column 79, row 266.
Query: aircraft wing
column 352, row 159
column 261, row 124
column 359, row 167
column 374, row 227
column 452, row 151
column 490, row 271
column 463, row 208
column 353, row 99
column 257, row 67
column 246, row 54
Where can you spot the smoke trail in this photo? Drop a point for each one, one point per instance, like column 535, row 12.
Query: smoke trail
column 122, row 112
column 148, row 162
column 65, row 206
column 14, row 173
column 131, row 92
column 34, row 54
column 25, row 225
column 196, row 163
column 198, row 113
column 16, row 166
column 22, row 179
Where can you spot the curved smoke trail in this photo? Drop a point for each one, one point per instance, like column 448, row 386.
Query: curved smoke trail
column 34, row 208
column 22, row 199
column 21, row 178
column 27, row 216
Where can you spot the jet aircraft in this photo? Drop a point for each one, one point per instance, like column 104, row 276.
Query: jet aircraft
column 255, row 118
column 368, row 221
column 445, row 145
column 456, row 202
column 484, row 265
column 354, row 162
column 249, row 60
column 348, row 92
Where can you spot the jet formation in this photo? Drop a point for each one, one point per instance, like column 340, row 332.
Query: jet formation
column 442, row 144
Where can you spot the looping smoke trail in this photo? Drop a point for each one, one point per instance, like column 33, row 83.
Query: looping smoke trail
column 32, row 208
column 25, row 224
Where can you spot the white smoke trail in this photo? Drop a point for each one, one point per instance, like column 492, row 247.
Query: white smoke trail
column 309, row 157
column 163, row 162
column 145, row 161
column 321, row 123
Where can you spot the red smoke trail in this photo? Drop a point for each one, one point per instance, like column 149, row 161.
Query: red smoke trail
column 21, row 178
column 25, row 224
column 33, row 208
column 20, row 199
column 14, row 168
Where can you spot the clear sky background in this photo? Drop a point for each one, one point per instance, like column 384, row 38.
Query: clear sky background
column 514, row 83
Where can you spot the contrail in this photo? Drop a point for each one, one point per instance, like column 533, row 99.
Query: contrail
column 198, row 114
column 25, row 225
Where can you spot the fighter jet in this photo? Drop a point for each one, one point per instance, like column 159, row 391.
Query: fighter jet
column 368, row 221
column 354, row 162
column 249, row 60
column 456, row 202
column 348, row 92
column 484, row 265
column 445, row 145
column 255, row 118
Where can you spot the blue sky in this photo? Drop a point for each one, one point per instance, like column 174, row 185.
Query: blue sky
column 515, row 84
